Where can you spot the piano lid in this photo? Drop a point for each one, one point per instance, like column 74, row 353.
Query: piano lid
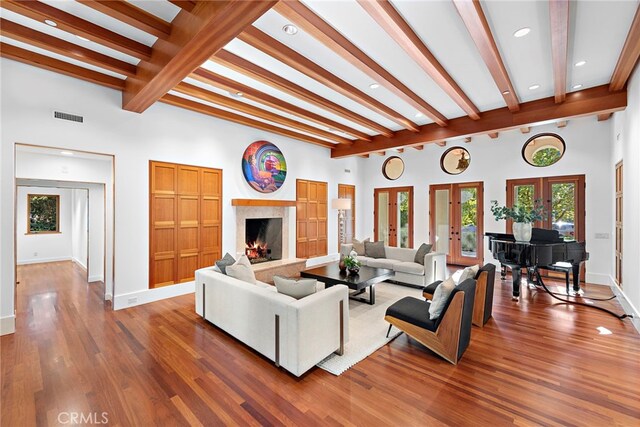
column 538, row 236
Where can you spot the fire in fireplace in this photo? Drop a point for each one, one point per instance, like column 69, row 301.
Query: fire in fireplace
column 263, row 239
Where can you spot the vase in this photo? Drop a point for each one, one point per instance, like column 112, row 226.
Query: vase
column 353, row 270
column 522, row 231
column 342, row 266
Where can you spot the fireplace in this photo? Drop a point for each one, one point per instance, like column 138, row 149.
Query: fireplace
column 263, row 239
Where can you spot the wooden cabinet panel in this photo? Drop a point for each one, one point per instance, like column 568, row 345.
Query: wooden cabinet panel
column 311, row 218
column 185, row 221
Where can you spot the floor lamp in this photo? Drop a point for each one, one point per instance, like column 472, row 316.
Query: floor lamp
column 341, row 205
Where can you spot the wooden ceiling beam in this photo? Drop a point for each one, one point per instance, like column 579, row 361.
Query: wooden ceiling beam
column 55, row 65
column 205, row 76
column 387, row 17
column 400, row 150
column 184, row 4
column 441, row 143
column 525, row 129
column 234, row 62
column 562, row 124
column 74, row 25
column 315, row 26
column 243, row 107
column 476, row 22
column 195, row 37
column 467, row 139
column 493, row 135
column 379, row 153
column 559, row 20
column 418, row 147
column 35, row 38
column 236, row 118
column 131, row 15
column 604, row 117
column 628, row 57
column 597, row 100
column 272, row 47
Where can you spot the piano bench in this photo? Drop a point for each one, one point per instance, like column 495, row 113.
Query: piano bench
column 561, row 267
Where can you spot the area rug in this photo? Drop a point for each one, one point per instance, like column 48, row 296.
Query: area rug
column 367, row 327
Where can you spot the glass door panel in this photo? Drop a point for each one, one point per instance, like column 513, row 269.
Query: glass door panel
column 442, row 225
column 393, row 216
column 402, row 214
column 383, row 218
column 563, row 209
column 469, row 222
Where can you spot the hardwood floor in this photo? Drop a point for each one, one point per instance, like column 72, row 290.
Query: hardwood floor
column 537, row 362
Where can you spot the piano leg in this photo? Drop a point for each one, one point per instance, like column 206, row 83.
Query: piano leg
column 503, row 271
column 576, row 277
column 516, row 275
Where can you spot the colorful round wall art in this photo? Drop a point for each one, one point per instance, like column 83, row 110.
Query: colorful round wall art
column 264, row 166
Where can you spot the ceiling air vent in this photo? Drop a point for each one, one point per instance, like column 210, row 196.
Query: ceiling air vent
column 66, row 116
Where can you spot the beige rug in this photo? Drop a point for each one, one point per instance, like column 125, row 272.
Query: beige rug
column 367, row 327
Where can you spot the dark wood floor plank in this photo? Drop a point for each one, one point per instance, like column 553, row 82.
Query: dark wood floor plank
column 537, row 362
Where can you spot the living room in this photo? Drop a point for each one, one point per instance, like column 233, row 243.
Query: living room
column 597, row 129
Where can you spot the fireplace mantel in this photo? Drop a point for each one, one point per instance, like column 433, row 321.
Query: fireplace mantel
column 263, row 202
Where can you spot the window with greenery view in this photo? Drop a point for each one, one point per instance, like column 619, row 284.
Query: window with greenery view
column 43, row 213
column 546, row 156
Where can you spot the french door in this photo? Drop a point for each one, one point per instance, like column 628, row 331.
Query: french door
column 619, row 224
column 456, row 221
column 563, row 199
column 393, row 216
column 346, row 191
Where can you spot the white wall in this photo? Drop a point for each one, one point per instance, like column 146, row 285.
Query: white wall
column 35, row 248
column 162, row 133
column 626, row 137
column 494, row 161
column 80, row 226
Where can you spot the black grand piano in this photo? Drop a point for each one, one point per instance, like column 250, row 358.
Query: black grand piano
column 546, row 250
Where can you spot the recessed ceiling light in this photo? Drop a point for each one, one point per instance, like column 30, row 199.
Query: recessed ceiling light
column 577, row 86
column 290, row 29
column 50, row 22
column 522, row 32
column 236, row 94
column 534, row 87
column 506, row 92
column 374, row 85
column 82, row 38
column 419, row 114
column 580, row 63
column 67, row 153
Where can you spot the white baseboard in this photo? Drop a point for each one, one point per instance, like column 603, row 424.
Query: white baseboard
column 7, row 325
column 598, row 279
column 96, row 278
column 108, row 297
column 311, row 262
column 41, row 260
column 80, row 263
column 150, row 295
column 626, row 303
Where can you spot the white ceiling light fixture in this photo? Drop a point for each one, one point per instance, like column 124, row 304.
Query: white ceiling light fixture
column 51, row 23
column 522, row 32
column 67, row 153
column 290, row 29
column 534, row 87
column 505, row 92
column 577, row 86
column 236, row 94
column 82, row 38
column 374, row 85
column 580, row 63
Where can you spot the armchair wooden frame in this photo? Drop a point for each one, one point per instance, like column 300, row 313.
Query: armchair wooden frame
column 445, row 340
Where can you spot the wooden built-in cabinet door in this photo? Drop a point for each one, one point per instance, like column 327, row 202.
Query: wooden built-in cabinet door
column 311, row 218
column 185, row 221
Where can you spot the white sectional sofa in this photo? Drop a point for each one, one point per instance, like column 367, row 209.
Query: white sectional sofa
column 401, row 261
column 295, row 334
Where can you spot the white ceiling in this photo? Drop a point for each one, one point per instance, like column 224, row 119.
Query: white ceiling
column 597, row 33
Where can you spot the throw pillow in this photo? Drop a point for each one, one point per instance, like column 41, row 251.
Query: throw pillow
column 440, row 297
column 242, row 270
column 225, row 262
column 296, row 288
column 358, row 245
column 374, row 249
column 468, row 273
column 423, row 250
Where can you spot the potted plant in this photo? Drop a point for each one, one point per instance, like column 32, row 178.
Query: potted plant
column 352, row 263
column 522, row 217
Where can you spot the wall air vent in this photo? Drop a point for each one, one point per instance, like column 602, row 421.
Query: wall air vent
column 66, row 116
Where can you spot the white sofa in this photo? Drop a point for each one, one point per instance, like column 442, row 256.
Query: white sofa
column 401, row 261
column 308, row 329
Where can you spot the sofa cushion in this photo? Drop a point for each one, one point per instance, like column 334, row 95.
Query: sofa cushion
column 414, row 311
column 242, row 270
column 423, row 250
column 381, row 263
column 364, row 260
column 400, row 254
column 358, row 245
column 440, row 297
column 225, row 262
column 374, row 249
column 409, row 267
column 296, row 288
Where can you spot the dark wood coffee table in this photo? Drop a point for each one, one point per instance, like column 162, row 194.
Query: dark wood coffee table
column 367, row 277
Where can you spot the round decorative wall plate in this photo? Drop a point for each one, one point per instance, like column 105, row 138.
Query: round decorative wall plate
column 455, row 160
column 393, row 168
column 264, row 166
